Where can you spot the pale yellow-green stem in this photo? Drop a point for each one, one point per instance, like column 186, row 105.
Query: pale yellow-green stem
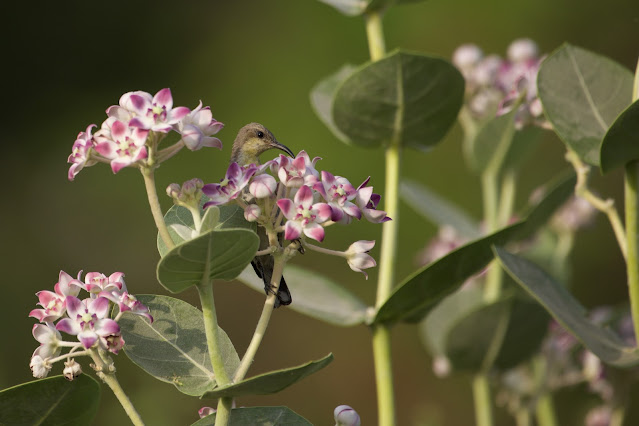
column 605, row 206
column 265, row 317
column 632, row 236
column 544, row 407
column 381, row 332
column 154, row 203
column 106, row 372
column 483, row 403
column 490, row 193
column 207, row 300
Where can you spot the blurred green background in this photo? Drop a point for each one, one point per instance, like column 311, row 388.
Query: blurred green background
column 66, row 62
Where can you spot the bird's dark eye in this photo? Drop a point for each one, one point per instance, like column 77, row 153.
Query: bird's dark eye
column 260, row 134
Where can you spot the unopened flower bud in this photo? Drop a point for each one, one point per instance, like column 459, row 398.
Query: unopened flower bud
column 522, row 50
column 346, row 416
column 71, row 369
column 173, row 190
column 252, row 212
column 39, row 367
column 205, row 411
column 441, row 366
column 467, row 55
column 358, row 259
column 190, row 186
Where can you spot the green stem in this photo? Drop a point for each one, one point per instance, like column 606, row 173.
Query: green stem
column 490, row 194
column 618, row 415
column 544, row 407
column 154, row 203
column 375, row 35
column 545, row 410
column 632, row 236
column 507, row 197
column 262, row 324
column 483, row 403
column 106, row 372
column 522, row 417
column 205, row 290
column 605, row 206
column 381, row 332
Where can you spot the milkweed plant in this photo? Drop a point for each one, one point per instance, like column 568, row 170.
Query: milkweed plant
column 491, row 296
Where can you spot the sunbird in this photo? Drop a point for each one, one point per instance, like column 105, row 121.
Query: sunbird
column 251, row 141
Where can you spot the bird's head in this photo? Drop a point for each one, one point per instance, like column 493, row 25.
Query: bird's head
column 252, row 140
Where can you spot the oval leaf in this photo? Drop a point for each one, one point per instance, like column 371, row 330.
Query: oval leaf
column 51, row 401
column 438, row 210
column 271, row 382
column 316, row 296
column 621, row 142
column 323, row 94
column 173, row 348
column 426, row 287
column 405, row 98
column 488, row 149
column 558, row 301
column 218, row 254
column 259, row 416
column 582, row 93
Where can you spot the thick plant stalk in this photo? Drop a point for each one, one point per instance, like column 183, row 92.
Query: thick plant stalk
column 154, row 203
column 381, row 332
column 108, row 376
column 632, row 237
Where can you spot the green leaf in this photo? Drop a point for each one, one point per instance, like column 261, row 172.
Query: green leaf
column 315, row 295
column 425, row 288
column 271, row 382
column 51, row 401
column 436, row 326
column 438, row 210
column 472, row 342
column 404, row 98
column 323, row 94
column 259, row 416
column 558, row 301
column 621, row 143
column 218, row 254
column 474, row 335
column 173, row 348
column 582, row 93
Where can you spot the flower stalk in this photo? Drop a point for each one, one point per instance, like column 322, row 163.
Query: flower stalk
column 381, row 332
column 106, row 372
column 154, row 203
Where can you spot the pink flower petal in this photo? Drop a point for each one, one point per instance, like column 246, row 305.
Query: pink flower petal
column 287, row 206
column 292, row 230
column 314, row 231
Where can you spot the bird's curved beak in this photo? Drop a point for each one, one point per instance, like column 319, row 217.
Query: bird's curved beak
column 283, row 147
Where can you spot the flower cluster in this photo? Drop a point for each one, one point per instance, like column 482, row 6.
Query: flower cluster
column 88, row 319
column 497, row 85
column 134, row 128
column 300, row 201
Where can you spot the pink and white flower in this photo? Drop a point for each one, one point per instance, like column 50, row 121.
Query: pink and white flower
column 121, row 143
column 338, row 192
column 49, row 339
column 40, row 367
column 96, row 282
column 304, row 216
column 81, row 152
column 153, row 113
column 127, row 303
column 235, row 180
column 53, row 303
column 368, row 201
column 296, row 172
column 197, row 129
column 357, row 256
column 88, row 319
